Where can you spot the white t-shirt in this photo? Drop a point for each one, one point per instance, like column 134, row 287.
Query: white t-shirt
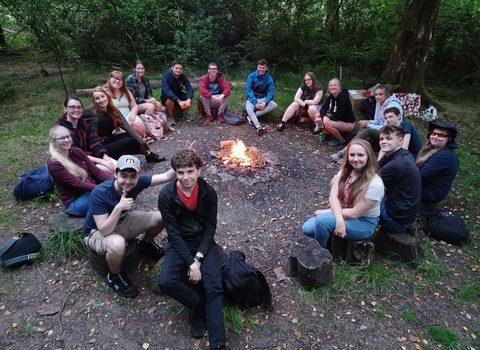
column 375, row 192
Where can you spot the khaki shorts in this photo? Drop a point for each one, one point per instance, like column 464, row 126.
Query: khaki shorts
column 134, row 224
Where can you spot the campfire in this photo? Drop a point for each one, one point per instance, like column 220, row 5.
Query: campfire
column 239, row 160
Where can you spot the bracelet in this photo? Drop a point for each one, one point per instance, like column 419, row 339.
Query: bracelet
column 198, row 258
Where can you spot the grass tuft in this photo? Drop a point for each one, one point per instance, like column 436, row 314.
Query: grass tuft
column 430, row 266
column 64, row 245
column 444, row 337
column 233, row 318
column 469, row 293
column 410, row 316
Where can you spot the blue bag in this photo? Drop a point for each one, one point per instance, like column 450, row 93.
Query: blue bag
column 34, row 183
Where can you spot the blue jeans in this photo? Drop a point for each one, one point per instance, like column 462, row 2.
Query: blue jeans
column 323, row 225
column 79, row 207
column 169, row 283
column 387, row 222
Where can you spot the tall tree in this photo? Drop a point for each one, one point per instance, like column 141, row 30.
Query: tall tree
column 408, row 61
column 3, row 43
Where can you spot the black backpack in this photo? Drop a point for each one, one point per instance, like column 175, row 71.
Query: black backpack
column 444, row 227
column 20, row 250
column 243, row 284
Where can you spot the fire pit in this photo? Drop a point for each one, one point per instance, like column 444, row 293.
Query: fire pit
column 238, row 160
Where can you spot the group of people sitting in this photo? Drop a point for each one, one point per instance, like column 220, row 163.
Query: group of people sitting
column 386, row 188
column 91, row 161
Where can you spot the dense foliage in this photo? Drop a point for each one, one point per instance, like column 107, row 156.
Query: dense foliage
column 295, row 35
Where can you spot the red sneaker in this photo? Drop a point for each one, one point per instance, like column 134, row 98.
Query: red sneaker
column 220, row 118
column 208, row 119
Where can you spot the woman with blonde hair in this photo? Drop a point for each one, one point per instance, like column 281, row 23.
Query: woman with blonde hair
column 355, row 196
column 125, row 102
column 75, row 175
column 437, row 162
column 117, row 135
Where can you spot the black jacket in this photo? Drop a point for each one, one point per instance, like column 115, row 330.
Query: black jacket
column 184, row 227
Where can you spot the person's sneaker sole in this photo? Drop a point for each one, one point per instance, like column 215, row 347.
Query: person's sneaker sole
column 335, row 157
column 198, row 328
column 261, row 131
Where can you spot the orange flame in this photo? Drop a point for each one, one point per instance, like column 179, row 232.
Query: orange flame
column 238, row 151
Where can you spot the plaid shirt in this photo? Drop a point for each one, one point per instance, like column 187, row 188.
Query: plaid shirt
column 134, row 86
column 84, row 137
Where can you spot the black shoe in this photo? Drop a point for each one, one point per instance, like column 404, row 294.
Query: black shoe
column 151, row 250
column 261, row 130
column 187, row 117
column 122, row 286
column 199, row 323
column 153, row 157
column 316, row 131
column 281, row 126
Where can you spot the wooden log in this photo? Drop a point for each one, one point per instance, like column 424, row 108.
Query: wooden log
column 352, row 252
column 310, row 264
column 53, row 71
column 404, row 246
column 131, row 260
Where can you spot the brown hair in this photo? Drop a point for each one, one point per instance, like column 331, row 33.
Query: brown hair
column 316, row 85
column 186, row 158
column 118, row 75
column 111, row 109
column 359, row 187
column 428, row 150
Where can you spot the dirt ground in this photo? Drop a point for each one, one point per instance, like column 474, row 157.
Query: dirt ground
column 261, row 218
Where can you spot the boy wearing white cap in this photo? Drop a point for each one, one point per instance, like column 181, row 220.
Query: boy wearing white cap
column 110, row 223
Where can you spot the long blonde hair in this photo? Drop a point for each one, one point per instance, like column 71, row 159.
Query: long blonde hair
column 118, row 75
column 359, row 187
column 71, row 167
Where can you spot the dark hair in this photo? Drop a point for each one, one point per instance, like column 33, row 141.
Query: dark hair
column 137, row 62
column 212, row 64
column 175, row 62
column 262, row 62
column 316, row 85
column 75, row 98
column 186, row 158
column 393, row 129
column 393, row 110
column 385, row 88
column 128, row 170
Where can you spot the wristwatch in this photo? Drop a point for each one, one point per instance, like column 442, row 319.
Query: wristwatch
column 198, row 258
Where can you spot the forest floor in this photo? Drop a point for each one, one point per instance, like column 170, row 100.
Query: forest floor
column 387, row 305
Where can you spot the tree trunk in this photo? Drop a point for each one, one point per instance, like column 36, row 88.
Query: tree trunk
column 408, row 61
column 332, row 20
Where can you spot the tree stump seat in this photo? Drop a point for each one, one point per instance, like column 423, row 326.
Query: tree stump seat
column 404, row 246
column 349, row 136
column 350, row 251
column 310, row 264
column 131, row 260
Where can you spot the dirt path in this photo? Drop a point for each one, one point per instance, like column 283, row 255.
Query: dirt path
column 262, row 220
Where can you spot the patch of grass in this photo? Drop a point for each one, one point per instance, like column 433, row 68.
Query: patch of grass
column 380, row 313
column 410, row 316
column 319, row 295
column 233, row 318
column 430, row 266
column 9, row 280
column 9, row 219
column 444, row 337
column 469, row 293
column 64, row 245
column 27, row 328
column 95, row 304
column 378, row 276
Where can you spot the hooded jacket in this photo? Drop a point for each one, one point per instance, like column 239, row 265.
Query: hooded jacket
column 260, row 86
column 222, row 84
column 379, row 121
column 439, row 171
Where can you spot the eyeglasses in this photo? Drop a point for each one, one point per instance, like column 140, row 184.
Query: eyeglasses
column 75, row 108
column 63, row 138
column 438, row 134
column 212, row 68
column 308, row 80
